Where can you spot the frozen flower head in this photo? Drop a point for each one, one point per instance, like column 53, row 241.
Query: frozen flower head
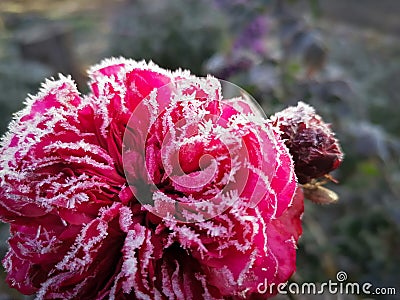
column 153, row 186
column 313, row 145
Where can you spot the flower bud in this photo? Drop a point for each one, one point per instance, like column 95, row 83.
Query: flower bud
column 310, row 140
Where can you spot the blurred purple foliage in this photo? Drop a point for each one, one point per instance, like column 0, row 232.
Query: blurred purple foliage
column 252, row 37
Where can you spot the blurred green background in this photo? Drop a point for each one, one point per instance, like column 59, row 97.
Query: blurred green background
column 342, row 57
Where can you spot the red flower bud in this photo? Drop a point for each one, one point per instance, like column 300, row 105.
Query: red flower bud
column 311, row 142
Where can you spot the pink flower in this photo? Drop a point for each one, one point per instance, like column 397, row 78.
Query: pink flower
column 151, row 187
